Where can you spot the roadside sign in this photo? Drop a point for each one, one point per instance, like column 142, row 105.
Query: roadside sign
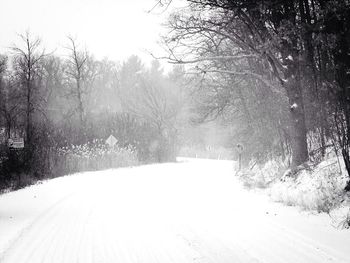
column 239, row 148
column 111, row 141
column 16, row 143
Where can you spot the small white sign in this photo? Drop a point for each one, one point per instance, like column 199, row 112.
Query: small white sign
column 16, row 143
column 111, row 141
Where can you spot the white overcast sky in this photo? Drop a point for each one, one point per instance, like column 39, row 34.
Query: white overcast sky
column 108, row 28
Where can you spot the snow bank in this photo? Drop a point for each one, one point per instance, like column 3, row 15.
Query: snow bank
column 262, row 176
column 317, row 188
column 320, row 188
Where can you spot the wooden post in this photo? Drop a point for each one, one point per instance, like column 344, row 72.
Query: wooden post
column 240, row 151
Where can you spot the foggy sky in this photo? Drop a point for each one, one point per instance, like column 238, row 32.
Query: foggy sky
column 112, row 28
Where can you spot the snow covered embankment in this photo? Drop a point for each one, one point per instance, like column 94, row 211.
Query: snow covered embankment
column 316, row 189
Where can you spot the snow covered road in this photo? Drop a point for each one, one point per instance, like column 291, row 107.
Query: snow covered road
column 195, row 211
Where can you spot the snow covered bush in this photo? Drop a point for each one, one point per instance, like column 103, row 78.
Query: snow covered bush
column 346, row 222
column 311, row 187
column 320, row 188
column 341, row 217
column 261, row 176
column 94, row 156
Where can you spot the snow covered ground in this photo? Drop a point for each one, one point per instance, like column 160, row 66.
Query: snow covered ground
column 192, row 211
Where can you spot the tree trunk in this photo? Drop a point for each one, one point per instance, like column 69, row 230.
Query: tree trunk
column 297, row 118
column 346, row 159
column 28, row 113
column 80, row 104
column 299, row 139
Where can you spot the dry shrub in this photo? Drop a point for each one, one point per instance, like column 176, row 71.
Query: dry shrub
column 94, row 156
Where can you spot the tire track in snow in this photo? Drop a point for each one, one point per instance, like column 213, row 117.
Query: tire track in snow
column 174, row 215
column 47, row 212
column 57, row 234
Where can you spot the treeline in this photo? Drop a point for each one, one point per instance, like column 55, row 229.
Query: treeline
column 66, row 107
column 277, row 72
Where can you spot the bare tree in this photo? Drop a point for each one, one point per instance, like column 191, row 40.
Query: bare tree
column 3, row 67
column 81, row 69
column 27, row 65
column 228, row 39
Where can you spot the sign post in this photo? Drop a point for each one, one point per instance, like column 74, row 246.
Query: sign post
column 239, row 148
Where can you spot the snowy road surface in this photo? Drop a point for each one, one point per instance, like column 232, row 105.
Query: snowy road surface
column 194, row 211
